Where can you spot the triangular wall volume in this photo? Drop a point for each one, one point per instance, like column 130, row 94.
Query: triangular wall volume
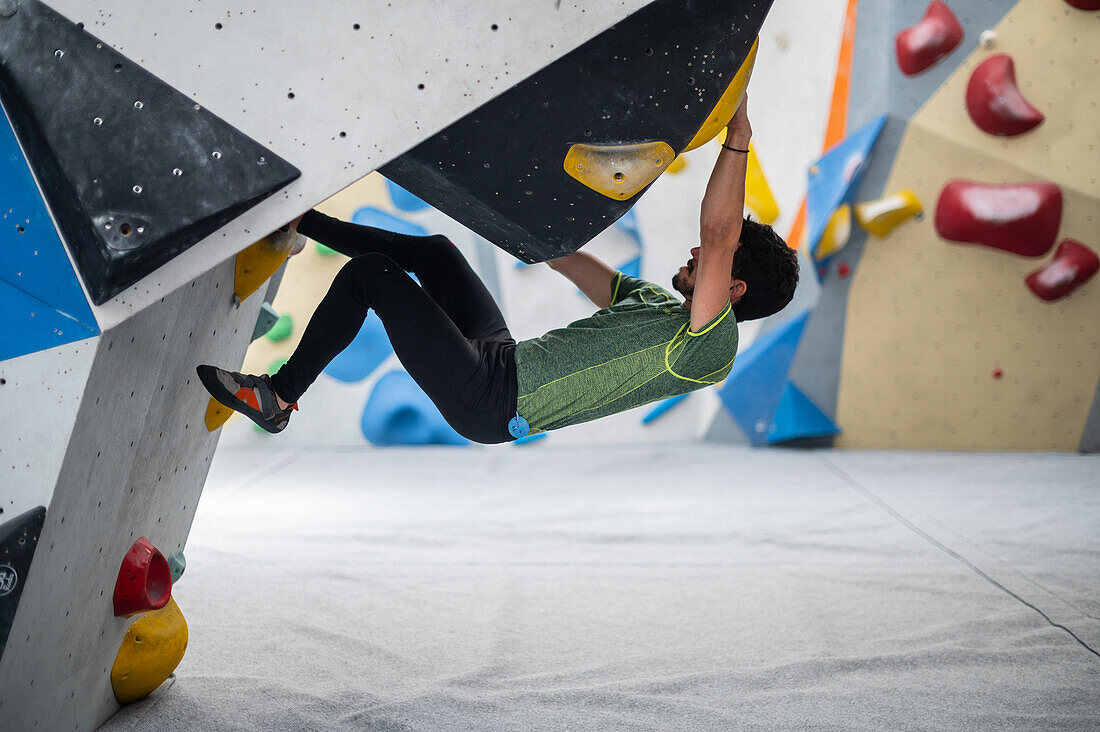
column 134, row 171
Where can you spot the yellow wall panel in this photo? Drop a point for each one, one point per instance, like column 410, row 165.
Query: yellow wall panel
column 929, row 322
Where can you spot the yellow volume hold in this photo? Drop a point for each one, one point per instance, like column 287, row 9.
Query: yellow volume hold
column 729, row 102
column 886, row 214
column 618, row 171
column 759, row 198
column 153, row 647
column 257, row 263
column 678, row 165
column 216, row 414
column 837, row 233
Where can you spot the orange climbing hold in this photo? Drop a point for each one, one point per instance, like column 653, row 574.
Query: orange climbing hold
column 144, row 580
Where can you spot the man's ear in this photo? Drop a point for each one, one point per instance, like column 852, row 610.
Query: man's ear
column 738, row 288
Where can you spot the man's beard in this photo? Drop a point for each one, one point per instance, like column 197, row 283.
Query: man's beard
column 681, row 284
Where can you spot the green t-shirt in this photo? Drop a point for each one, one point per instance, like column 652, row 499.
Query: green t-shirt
column 638, row 350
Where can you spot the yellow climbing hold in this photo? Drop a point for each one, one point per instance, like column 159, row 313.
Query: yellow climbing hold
column 837, row 233
column 678, row 165
column 758, row 194
column 216, row 414
column 884, row 215
column 728, row 104
column 257, row 263
column 153, row 647
column 618, row 171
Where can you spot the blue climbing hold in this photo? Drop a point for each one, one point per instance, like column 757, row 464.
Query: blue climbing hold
column 41, row 301
column 662, row 408
column 398, row 412
column 633, row 268
column 755, row 384
column 835, row 177
column 628, row 223
column 177, row 565
column 370, row 348
column 371, row 216
column 518, row 427
column 798, row 417
column 530, row 438
column 404, row 200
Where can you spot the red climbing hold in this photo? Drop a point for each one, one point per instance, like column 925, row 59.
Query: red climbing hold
column 922, row 45
column 843, row 269
column 995, row 102
column 1073, row 265
column 998, row 373
column 144, row 580
column 1021, row 218
column 1085, row 4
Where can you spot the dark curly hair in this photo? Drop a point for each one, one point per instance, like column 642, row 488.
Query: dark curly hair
column 770, row 269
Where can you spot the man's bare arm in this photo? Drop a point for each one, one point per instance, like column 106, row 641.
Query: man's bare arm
column 591, row 275
column 720, row 219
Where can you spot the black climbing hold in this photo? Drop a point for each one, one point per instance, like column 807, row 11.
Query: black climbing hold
column 18, row 540
column 630, row 84
column 105, row 138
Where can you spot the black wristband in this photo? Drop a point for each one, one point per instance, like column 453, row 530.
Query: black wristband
column 743, row 152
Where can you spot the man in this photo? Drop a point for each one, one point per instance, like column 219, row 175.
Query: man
column 641, row 346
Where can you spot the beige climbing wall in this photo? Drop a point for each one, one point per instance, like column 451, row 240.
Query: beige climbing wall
column 309, row 274
column 929, row 322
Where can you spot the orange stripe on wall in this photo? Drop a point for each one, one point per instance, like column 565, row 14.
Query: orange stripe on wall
column 838, row 113
column 837, row 126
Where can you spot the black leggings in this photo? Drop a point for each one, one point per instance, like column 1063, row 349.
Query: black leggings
column 447, row 331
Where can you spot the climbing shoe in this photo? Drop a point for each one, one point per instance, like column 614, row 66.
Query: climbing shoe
column 252, row 396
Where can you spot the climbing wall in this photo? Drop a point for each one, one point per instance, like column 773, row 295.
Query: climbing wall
column 963, row 354
column 951, row 228
column 789, row 108
column 149, row 149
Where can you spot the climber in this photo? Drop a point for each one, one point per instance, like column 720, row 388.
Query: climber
column 642, row 345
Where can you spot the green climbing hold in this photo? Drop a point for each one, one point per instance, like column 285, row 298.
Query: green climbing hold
column 177, row 563
column 325, row 251
column 282, row 329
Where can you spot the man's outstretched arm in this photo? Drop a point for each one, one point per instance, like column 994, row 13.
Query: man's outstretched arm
column 720, row 219
column 591, row 275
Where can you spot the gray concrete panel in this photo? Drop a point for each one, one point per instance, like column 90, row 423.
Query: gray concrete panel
column 40, row 394
column 724, row 428
column 337, row 89
column 135, row 466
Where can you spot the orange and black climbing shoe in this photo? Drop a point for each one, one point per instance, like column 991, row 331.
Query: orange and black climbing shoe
column 252, row 396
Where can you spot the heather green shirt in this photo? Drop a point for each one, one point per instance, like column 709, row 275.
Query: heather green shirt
column 638, row 350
